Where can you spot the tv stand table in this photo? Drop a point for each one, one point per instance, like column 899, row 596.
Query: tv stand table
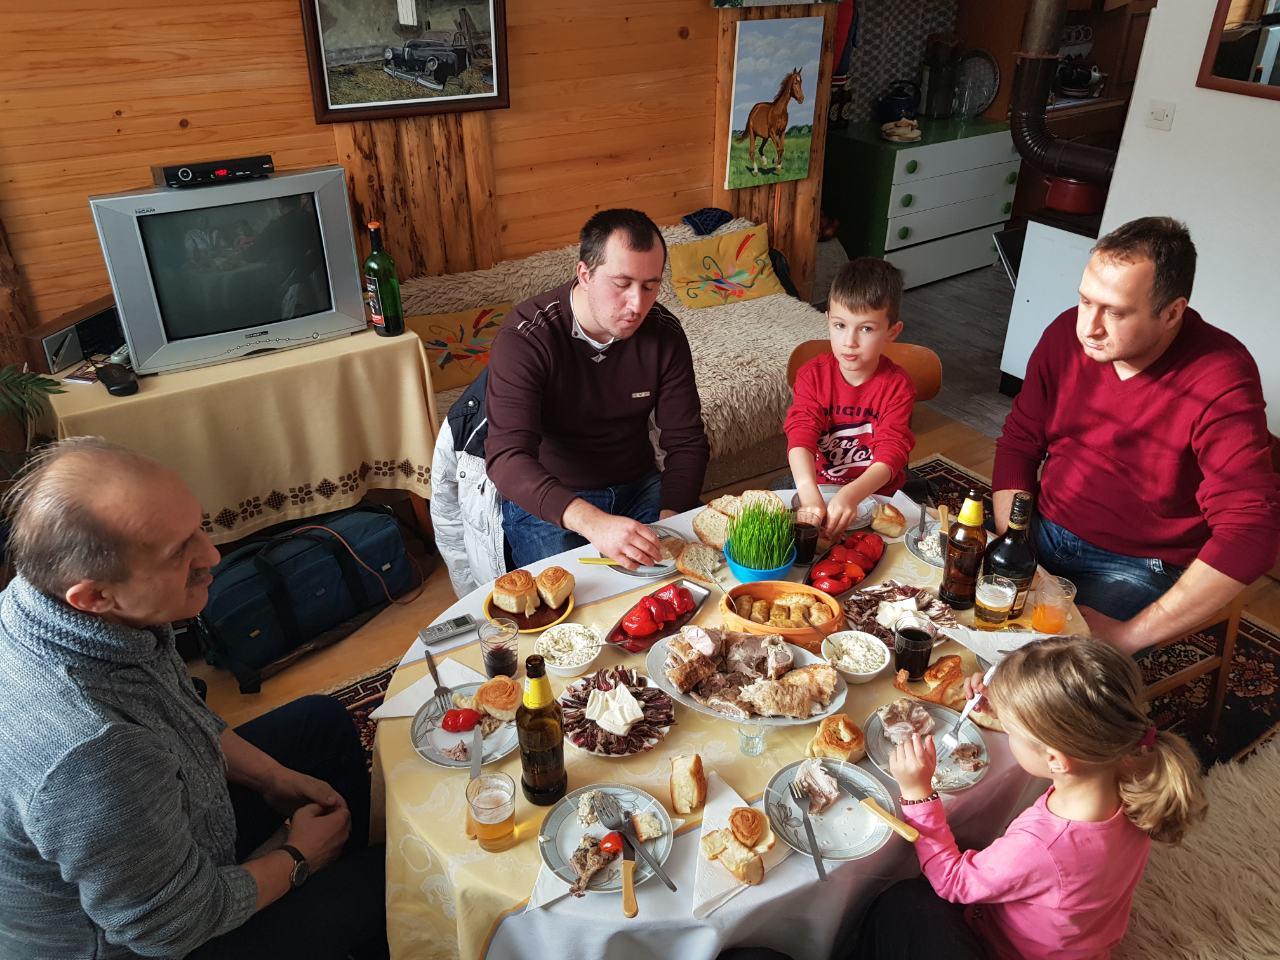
column 281, row 435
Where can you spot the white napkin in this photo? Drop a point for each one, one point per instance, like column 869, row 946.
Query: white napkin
column 988, row 643
column 407, row 701
column 713, row 885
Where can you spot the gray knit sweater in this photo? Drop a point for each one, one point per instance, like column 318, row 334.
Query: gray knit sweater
column 117, row 835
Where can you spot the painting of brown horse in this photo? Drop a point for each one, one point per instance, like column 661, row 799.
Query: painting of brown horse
column 767, row 121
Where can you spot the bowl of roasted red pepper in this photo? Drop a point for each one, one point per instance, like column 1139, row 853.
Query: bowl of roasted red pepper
column 658, row 614
column 846, row 564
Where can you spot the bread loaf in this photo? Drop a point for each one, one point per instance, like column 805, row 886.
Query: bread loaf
column 516, row 592
column 688, row 784
column 888, row 520
column 554, row 586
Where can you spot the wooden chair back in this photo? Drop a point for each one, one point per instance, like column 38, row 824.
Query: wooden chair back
column 922, row 364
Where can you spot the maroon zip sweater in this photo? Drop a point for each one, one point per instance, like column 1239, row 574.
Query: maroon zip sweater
column 559, row 421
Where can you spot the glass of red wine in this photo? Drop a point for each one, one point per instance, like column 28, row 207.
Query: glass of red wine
column 499, row 647
column 913, row 638
column 806, row 523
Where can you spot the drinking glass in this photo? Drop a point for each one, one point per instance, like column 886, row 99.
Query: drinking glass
column 499, row 646
column 806, row 524
column 913, row 637
column 751, row 738
column 491, row 799
column 1054, row 596
column 993, row 599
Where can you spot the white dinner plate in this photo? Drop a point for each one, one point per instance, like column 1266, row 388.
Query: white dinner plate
column 658, row 569
column 657, row 656
column 947, row 779
column 846, row 830
column 429, row 740
column 560, row 833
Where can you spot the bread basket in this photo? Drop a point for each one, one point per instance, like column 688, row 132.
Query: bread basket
column 810, row 638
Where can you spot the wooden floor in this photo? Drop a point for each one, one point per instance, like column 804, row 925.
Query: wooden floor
column 386, row 637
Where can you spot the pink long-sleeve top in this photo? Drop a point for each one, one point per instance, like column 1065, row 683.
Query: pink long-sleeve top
column 1048, row 888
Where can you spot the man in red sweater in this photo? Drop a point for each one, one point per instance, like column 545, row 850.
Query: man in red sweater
column 1157, row 497
column 574, row 376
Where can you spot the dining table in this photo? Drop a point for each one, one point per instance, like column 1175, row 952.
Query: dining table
column 447, row 898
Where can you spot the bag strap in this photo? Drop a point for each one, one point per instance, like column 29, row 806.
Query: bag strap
column 279, row 597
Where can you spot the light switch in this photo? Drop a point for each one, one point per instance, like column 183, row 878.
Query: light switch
column 1160, row 114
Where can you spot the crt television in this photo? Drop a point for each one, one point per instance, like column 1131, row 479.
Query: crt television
column 211, row 274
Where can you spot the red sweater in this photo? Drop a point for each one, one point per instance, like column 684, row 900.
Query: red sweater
column 1172, row 463
column 849, row 428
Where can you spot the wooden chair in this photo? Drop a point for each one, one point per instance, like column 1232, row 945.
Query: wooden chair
column 1220, row 661
column 922, row 364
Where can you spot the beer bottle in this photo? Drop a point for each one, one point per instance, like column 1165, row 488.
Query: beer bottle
column 965, row 542
column 540, row 728
column 382, row 287
column 1012, row 555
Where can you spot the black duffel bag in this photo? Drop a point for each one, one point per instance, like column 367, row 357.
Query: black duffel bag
column 275, row 599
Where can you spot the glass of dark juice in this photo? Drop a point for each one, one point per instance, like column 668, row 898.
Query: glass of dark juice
column 913, row 639
column 806, row 523
column 499, row 647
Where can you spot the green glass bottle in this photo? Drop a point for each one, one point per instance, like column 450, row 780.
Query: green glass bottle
column 382, row 287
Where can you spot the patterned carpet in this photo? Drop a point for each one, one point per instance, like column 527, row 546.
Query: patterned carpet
column 1250, row 717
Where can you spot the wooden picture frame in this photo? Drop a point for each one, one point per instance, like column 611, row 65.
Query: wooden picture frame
column 1211, row 81
column 453, row 67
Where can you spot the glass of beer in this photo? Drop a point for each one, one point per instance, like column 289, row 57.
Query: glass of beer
column 491, row 797
column 806, row 523
column 913, row 637
column 1052, row 609
column 993, row 599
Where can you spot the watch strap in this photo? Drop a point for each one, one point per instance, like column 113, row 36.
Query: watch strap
column 301, row 869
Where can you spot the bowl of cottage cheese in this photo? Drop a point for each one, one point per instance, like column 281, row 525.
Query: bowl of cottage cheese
column 859, row 657
column 569, row 649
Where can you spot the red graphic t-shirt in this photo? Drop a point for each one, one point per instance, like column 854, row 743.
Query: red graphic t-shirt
column 850, row 428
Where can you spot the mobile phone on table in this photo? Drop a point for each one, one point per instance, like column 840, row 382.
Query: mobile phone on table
column 446, row 629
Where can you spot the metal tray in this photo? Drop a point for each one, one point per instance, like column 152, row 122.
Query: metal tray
column 617, row 638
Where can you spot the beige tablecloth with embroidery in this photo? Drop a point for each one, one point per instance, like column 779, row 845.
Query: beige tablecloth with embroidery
column 446, row 897
column 278, row 436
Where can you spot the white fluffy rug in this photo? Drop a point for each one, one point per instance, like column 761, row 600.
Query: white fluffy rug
column 1217, row 896
column 739, row 352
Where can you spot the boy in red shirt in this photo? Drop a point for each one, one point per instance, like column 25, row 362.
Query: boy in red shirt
column 850, row 421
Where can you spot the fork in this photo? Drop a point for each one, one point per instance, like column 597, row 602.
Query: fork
column 950, row 739
column 443, row 695
column 801, row 799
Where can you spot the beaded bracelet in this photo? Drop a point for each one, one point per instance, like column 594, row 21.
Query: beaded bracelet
column 906, row 803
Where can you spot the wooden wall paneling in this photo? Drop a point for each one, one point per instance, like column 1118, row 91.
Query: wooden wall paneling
column 478, row 157
column 15, row 315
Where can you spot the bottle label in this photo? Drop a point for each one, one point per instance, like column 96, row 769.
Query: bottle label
column 537, row 692
column 373, row 300
column 971, row 513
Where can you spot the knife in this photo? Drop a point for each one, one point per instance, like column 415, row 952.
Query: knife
column 631, row 842
column 477, row 759
column 904, row 830
column 629, row 906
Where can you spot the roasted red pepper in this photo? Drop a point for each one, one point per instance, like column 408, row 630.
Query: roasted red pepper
column 828, row 568
column 832, row 585
column 639, row 622
column 679, row 597
column 659, row 609
column 460, row 721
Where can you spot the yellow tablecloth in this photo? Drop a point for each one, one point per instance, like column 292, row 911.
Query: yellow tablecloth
column 445, row 896
column 278, row 436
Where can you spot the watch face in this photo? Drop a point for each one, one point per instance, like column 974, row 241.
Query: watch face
column 300, row 873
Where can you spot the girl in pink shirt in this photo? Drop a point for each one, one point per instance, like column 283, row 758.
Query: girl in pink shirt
column 1060, row 882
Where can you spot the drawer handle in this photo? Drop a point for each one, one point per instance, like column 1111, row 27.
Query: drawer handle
column 1012, row 177
column 912, row 166
column 1006, row 207
column 904, row 232
column 907, row 199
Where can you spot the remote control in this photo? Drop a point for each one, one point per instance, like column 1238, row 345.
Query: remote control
column 119, row 381
column 443, row 631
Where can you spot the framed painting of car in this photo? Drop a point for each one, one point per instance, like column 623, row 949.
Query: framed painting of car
column 375, row 59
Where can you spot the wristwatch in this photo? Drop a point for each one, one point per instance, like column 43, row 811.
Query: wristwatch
column 301, row 869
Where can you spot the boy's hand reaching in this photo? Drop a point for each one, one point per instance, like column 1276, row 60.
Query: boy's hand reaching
column 912, row 764
column 842, row 511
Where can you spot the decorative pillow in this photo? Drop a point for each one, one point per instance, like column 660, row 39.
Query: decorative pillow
column 724, row 269
column 457, row 344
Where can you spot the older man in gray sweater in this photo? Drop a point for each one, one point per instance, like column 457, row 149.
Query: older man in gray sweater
column 128, row 810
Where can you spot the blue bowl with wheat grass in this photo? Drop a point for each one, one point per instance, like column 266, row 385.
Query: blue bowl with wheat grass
column 749, row 575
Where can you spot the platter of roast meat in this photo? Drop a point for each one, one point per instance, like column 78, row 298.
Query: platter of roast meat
column 644, row 734
column 739, row 676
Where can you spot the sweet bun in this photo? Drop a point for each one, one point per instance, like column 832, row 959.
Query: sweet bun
column 498, row 697
column 944, row 671
column 888, row 520
column 838, row 738
column 688, row 783
column 516, row 592
column 750, row 827
column 554, row 585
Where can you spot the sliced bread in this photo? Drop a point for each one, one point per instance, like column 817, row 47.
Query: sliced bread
column 700, row 562
column 729, row 505
column 766, row 498
column 688, row 784
column 712, row 527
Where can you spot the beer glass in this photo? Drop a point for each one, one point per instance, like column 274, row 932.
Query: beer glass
column 1054, row 597
column 491, row 798
column 993, row 600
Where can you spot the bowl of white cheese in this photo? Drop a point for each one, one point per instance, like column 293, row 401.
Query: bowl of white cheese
column 569, row 649
column 859, row 657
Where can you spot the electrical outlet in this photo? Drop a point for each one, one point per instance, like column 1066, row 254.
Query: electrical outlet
column 1160, row 114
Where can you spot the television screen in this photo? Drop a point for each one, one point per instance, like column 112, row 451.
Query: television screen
column 236, row 266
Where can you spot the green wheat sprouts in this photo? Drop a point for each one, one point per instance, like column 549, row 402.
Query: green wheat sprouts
column 760, row 537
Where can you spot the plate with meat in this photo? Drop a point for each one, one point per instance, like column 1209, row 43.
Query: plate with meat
column 843, row 827
column 583, row 852
column 445, row 738
column 958, row 769
column 616, row 712
column 656, row 615
column 739, row 676
column 874, row 610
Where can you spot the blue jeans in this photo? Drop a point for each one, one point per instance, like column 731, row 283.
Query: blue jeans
column 1111, row 583
column 531, row 539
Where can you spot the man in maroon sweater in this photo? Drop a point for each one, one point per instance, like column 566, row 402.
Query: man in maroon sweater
column 574, row 375
column 1157, row 497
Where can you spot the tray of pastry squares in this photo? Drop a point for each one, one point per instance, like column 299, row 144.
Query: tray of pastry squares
column 534, row 603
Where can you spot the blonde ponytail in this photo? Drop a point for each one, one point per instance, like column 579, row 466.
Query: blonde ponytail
column 1087, row 700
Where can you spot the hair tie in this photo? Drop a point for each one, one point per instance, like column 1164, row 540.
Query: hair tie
column 1148, row 739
